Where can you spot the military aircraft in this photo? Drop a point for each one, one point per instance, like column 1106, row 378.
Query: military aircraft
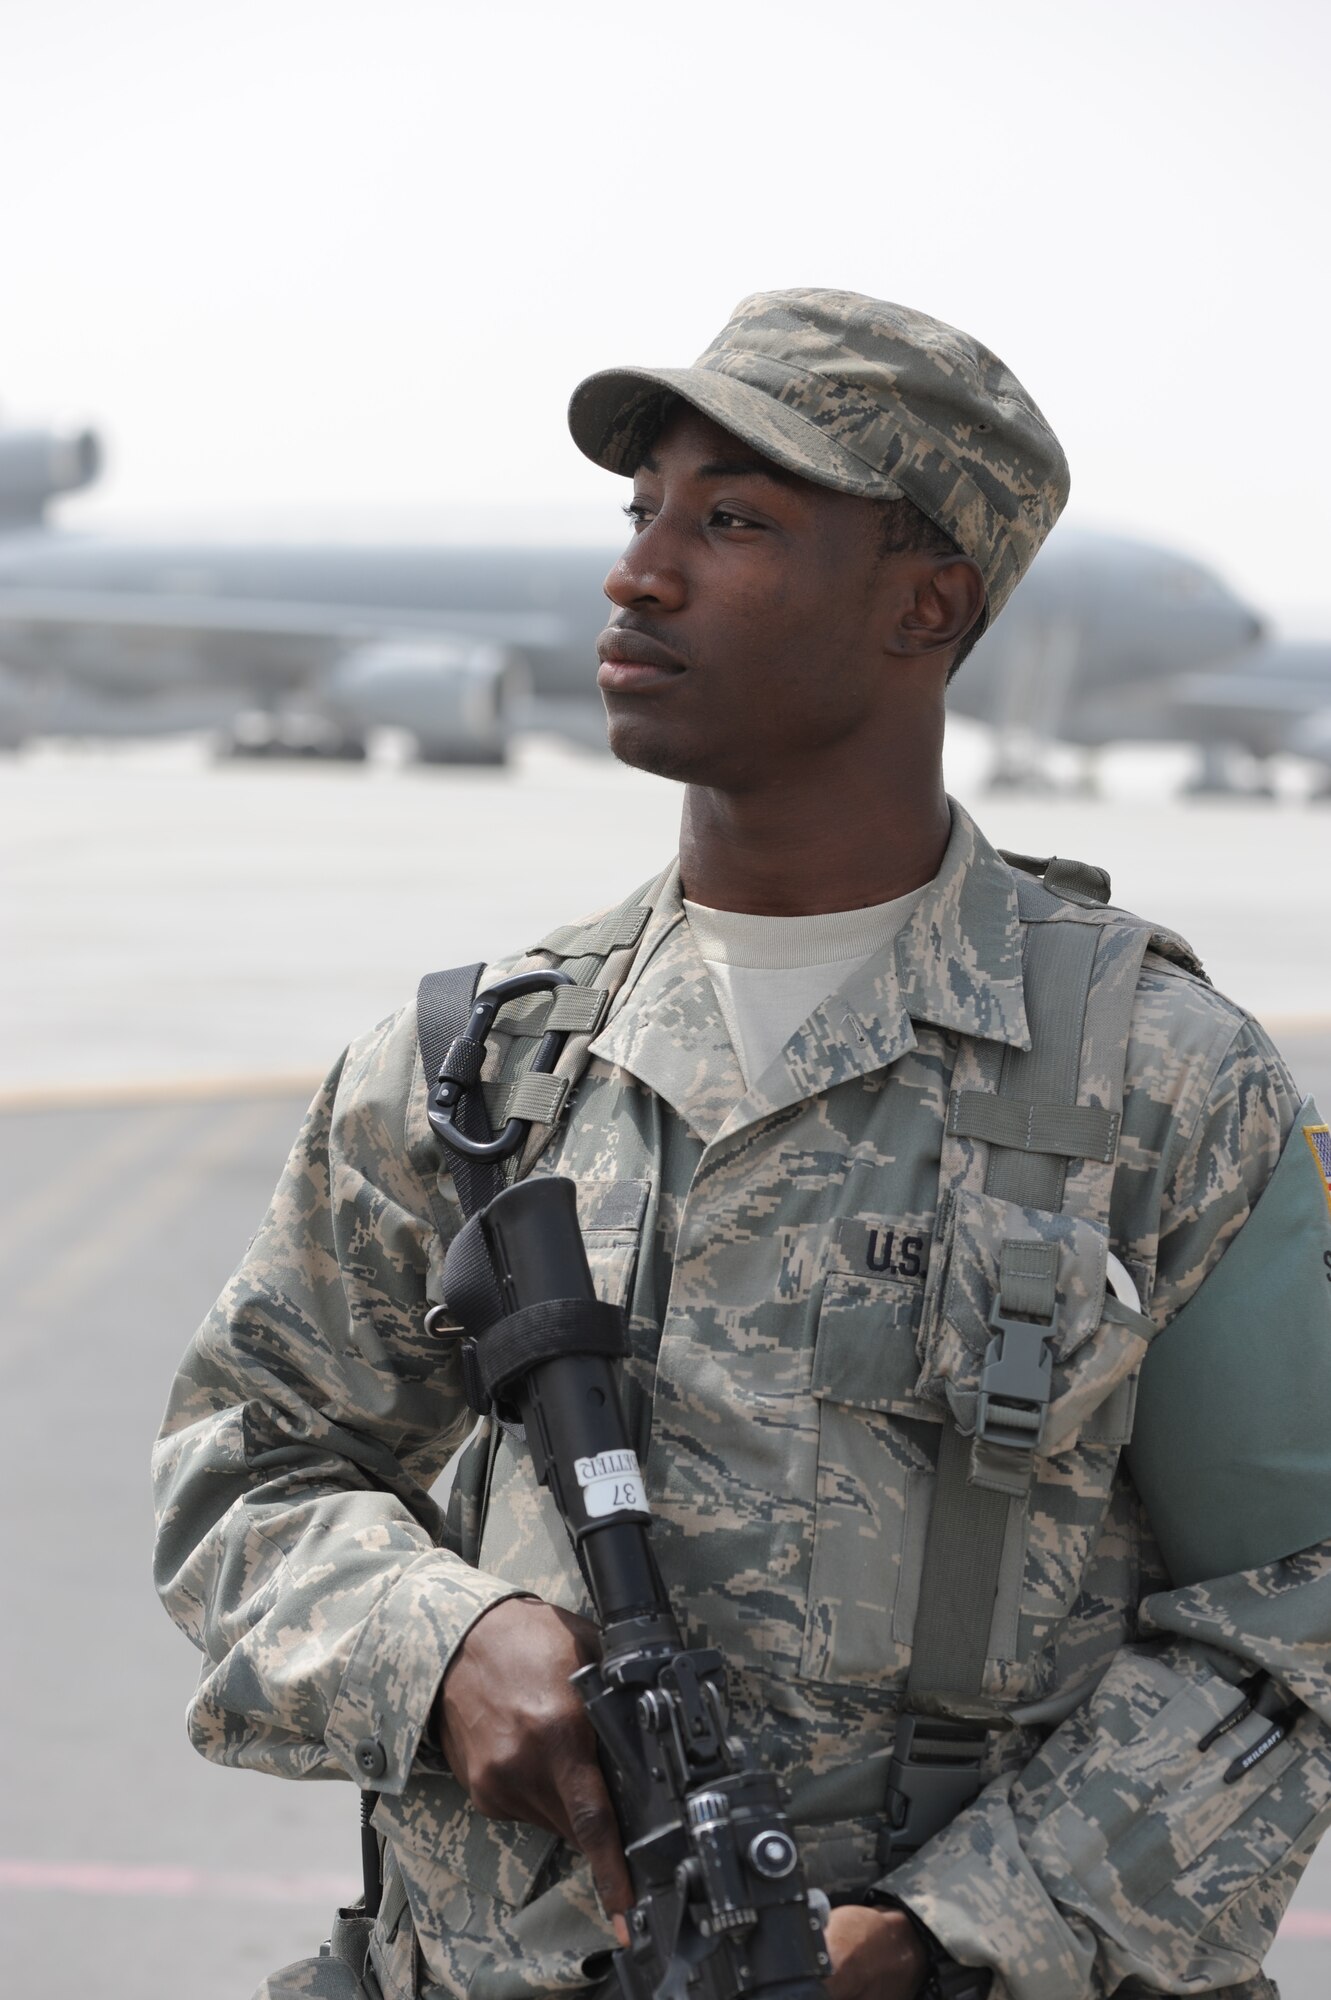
column 285, row 649
column 1096, row 620
column 1274, row 701
column 1110, row 640
column 301, row 649
column 310, row 649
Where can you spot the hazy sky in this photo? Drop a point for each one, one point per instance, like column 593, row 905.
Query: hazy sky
column 311, row 261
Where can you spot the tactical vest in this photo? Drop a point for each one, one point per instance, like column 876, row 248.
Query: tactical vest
column 1021, row 1377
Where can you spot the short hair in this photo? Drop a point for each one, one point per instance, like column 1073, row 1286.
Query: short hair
column 904, row 531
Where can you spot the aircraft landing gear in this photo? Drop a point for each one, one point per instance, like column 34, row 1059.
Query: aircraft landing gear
column 1220, row 776
column 1017, row 775
column 284, row 737
column 490, row 755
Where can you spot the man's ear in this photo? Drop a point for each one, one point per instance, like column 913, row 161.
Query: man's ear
column 947, row 599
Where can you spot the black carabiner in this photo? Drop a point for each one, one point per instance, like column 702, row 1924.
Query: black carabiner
column 444, row 1097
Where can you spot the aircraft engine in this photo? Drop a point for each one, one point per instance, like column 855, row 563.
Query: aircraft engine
column 1314, row 741
column 454, row 696
column 35, row 466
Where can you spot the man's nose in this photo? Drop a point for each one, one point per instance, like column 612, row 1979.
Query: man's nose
column 645, row 575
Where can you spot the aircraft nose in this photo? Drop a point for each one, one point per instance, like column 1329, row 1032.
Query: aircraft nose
column 1233, row 639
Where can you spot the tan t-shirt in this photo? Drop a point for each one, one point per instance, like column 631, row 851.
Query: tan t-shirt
column 771, row 972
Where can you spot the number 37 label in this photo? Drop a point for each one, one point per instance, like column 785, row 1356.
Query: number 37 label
column 611, row 1483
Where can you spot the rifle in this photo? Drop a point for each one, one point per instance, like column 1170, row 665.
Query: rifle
column 722, row 1907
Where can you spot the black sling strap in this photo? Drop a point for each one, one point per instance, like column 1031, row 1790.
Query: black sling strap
column 443, row 1009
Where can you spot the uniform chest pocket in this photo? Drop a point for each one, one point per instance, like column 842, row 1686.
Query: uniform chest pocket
column 1078, row 1360
column 610, row 1214
column 1046, row 1271
column 877, row 1443
column 884, row 1387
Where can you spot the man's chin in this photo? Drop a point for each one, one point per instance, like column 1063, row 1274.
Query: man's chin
column 633, row 741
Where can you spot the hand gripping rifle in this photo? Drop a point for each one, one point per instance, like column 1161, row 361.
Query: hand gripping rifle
column 722, row 1909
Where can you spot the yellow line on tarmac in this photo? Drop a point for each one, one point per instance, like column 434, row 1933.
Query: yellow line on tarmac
column 160, row 1090
column 206, row 1089
column 147, row 1210
column 90, row 1172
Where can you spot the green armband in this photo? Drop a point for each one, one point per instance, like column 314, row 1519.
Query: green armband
column 1231, row 1449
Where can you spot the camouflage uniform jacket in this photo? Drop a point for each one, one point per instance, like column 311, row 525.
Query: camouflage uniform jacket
column 787, row 1367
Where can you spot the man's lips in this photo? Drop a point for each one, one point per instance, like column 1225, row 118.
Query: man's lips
column 632, row 660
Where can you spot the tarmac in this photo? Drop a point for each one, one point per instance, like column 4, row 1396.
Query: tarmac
column 186, row 946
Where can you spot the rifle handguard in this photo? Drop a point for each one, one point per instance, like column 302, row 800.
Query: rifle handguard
column 722, row 1906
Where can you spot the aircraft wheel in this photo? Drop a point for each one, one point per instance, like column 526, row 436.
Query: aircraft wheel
column 491, row 757
column 277, row 749
column 237, row 749
column 1216, row 776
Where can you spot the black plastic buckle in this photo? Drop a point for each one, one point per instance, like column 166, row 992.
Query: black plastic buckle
column 934, row 1773
column 443, row 1099
column 1016, row 1381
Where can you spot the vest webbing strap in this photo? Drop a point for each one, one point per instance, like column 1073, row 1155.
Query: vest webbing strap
column 598, row 955
column 1077, row 881
column 1056, row 975
column 1078, row 1131
column 617, row 929
column 574, row 1009
column 959, row 1584
column 968, row 1524
column 537, row 1097
column 1028, row 1279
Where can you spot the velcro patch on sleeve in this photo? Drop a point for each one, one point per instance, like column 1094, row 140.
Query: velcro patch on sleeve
column 1231, row 1449
column 1319, row 1141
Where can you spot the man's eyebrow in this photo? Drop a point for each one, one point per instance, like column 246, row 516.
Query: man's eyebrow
column 734, row 468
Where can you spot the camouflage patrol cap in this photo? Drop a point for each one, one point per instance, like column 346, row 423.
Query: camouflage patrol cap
column 867, row 398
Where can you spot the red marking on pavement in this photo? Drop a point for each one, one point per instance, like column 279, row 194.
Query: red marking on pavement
column 109, row 1878
column 1307, row 1924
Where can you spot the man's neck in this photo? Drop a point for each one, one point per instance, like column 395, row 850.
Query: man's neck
column 796, row 849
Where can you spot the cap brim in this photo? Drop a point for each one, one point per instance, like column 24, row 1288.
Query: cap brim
column 615, row 416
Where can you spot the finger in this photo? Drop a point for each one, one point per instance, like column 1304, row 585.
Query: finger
column 873, row 1952
column 594, row 1831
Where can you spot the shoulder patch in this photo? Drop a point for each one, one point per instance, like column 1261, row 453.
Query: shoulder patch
column 1231, row 1450
column 1319, row 1142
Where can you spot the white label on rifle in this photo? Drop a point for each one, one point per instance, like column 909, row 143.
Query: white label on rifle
column 611, row 1484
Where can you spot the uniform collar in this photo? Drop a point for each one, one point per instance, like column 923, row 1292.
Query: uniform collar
column 959, row 957
column 956, row 965
column 666, row 1028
